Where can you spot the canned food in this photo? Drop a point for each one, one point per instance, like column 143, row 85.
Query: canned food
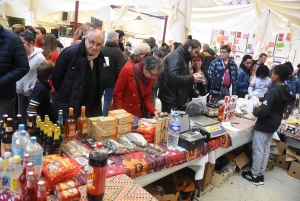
column 72, row 194
column 66, row 185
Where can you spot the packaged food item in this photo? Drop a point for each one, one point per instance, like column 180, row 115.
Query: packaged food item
column 127, row 143
column 65, row 185
column 107, row 122
column 137, row 139
column 124, row 118
column 60, row 170
column 116, row 147
column 154, row 151
column 69, row 195
column 74, row 148
column 123, row 129
column 116, row 112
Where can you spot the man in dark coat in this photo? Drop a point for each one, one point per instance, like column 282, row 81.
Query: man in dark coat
column 110, row 72
column 209, row 55
column 13, row 66
column 76, row 76
column 176, row 80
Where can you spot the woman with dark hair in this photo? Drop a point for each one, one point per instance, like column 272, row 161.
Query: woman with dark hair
column 261, row 82
column 201, row 88
column 121, row 38
column 126, row 95
column 26, row 84
column 50, row 48
column 244, row 74
column 40, row 36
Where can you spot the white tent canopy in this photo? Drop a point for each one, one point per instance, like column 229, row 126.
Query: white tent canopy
column 264, row 18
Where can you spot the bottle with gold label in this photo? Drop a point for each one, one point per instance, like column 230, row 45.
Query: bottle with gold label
column 82, row 124
column 7, row 137
column 70, row 126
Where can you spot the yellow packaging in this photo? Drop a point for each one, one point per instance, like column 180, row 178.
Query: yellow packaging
column 125, row 118
column 107, row 122
column 116, row 112
column 91, row 120
column 123, row 129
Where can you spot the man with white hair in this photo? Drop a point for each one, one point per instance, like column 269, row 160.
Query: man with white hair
column 111, row 70
column 76, row 76
column 139, row 52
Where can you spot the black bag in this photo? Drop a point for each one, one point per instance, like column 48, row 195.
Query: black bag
column 217, row 84
column 143, row 107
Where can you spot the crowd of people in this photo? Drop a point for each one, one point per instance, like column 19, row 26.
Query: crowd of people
column 126, row 77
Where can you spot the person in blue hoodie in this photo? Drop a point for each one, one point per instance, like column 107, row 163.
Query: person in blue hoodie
column 293, row 82
column 244, row 74
column 269, row 115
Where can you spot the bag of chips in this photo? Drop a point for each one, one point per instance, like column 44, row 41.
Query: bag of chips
column 116, row 147
column 137, row 139
column 148, row 131
column 127, row 143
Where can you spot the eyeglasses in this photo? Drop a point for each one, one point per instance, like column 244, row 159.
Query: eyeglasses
column 248, row 63
column 223, row 52
column 93, row 44
column 153, row 75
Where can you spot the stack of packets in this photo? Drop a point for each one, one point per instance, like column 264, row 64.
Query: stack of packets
column 228, row 108
column 67, row 190
column 146, row 127
column 116, row 124
column 162, row 130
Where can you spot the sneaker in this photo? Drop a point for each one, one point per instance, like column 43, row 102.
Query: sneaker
column 261, row 179
column 248, row 175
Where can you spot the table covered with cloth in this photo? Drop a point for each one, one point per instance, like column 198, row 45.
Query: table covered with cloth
column 140, row 163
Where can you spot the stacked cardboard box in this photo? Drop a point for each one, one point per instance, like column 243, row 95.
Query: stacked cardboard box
column 162, row 129
column 124, row 121
column 293, row 156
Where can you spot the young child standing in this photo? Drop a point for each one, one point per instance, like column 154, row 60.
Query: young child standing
column 269, row 116
column 40, row 102
column 261, row 82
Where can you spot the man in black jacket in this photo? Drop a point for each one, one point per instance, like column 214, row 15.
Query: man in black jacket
column 269, row 116
column 209, row 56
column 175, row 80
column 13, row 66
column 76, row 76
column 110, row 72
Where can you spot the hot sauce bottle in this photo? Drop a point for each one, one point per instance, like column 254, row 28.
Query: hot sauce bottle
column 70, row 126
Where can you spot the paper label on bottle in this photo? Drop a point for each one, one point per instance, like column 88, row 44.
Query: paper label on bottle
column 29, row 124
column 8, row 129
column 4, row 148
column 36, row 160
column 19, row 152
column 72, row 129
column 85, row 128
column 96, row 180
column 14, row 185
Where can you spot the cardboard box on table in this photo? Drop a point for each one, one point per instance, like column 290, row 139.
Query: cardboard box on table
column 207, row 176
column 124, row 118
column 107, row 122
column 218, row 179
column 123, row 129
column 99, row 134
column 116, row 112
column 171, row 193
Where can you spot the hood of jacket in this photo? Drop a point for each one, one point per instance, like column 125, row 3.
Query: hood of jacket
column 36, row 50
column 210, row 51
column 284, row 92
column 111, row 44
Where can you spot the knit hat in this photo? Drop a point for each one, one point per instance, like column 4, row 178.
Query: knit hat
column 141, row 48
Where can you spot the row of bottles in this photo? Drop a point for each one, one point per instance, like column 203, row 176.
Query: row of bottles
column 22, row 179
column 82, row 125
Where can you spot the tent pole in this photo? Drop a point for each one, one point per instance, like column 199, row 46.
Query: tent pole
column 76, row 16
column 165, row 27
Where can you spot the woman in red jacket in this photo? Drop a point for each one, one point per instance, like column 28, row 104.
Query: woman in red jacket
column 50, row 48
column 126, row 94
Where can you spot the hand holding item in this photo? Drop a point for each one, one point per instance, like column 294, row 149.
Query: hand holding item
column 105, row 65
column 197, row 78
column 156, row 113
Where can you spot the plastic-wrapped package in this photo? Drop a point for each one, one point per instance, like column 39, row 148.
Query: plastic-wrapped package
column 127, row 143
column 116, row 147
column 196, row 106
column 137, row 139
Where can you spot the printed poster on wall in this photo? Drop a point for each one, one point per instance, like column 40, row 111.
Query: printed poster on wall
column 245, row 36
column 213, row 42
column 230, row 44
column 280, row 37
column 219, row 39
column 271, row 44
column 233, row 48
column 221, row 32
column 224, row 38
column 236, row 41
column 288, row 37
column 238, row 35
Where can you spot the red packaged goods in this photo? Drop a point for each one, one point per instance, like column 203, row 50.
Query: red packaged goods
column 70, row 194
column 147, row 131
column 66, row 185
column 60, row 170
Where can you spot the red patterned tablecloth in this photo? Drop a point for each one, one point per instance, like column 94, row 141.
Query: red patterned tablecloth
column 119, row 187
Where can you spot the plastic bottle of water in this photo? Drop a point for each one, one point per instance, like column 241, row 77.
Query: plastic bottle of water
column 16, row 135
column 2, row 174
column 174, row 131
column 11, row 161
column 14, row 172
column 35, row 151
column 20, row 144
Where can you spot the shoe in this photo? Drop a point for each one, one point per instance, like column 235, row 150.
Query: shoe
column 248, row 175
column 261, row 179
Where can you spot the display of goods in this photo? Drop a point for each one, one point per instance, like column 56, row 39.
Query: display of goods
column 137, row 139
column 127, row 143
column 148, row 131
column 116, row 147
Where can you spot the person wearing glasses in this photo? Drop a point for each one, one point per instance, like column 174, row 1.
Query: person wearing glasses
column 110, row 72
column 244, row 74
column 126, row 95
column 76, row 76
column 223, row 74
